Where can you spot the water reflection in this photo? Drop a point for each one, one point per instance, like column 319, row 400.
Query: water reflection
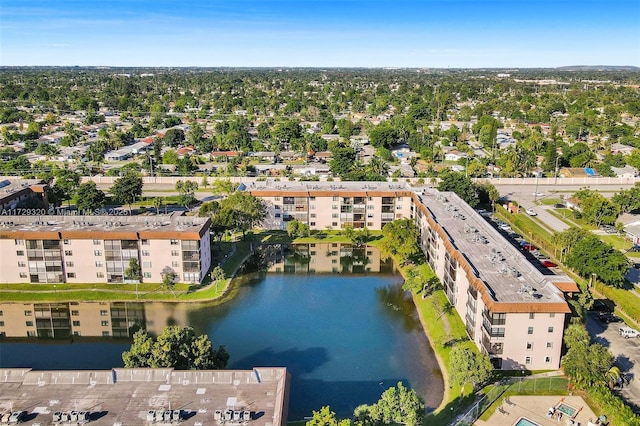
column 333, row 314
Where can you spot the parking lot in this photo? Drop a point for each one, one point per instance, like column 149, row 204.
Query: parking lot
column 626, row 352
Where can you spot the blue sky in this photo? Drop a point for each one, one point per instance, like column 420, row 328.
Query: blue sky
column 327, row 33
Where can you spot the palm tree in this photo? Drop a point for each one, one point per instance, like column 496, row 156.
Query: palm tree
column 613, row 376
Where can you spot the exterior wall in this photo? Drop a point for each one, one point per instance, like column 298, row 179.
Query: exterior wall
column 533, row 341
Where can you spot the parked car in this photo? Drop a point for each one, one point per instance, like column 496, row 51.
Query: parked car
column 634, row 249
column 599, row 305
column 607, row 317
column 627, row 332
column 531, row 212
column 529, row 246
column 547, row 263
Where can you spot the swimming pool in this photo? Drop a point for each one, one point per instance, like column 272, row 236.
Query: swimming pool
column 523, row 421
column 566, row 409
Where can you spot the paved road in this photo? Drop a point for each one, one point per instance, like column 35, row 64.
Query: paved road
column 626, row 351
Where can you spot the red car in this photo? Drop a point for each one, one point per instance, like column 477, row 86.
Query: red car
column 547, row 263
column 529, row 246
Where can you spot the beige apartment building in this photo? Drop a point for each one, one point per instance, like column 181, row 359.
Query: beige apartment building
column 98, row 249
column 513, row 310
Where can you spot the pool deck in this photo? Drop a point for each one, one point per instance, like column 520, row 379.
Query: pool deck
column 535, row 408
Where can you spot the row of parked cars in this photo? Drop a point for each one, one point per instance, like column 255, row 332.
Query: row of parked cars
column 524, row 244
column 606, row 316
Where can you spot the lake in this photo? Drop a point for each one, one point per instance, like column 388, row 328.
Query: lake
column 335, row 316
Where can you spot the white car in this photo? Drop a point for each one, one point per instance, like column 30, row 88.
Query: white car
column 530, row 212
column 627, row 332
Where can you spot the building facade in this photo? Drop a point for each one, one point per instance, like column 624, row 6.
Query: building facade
column 98, row 249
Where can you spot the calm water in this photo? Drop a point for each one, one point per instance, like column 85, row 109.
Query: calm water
column 344, row 338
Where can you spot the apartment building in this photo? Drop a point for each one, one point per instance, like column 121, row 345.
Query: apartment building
column 333, row 206
column 513, row 310
column 98, row 249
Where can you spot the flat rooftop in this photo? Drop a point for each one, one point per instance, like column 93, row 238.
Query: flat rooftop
column 8, row 187
column 117, row 224
column 509, row 276
column 295, row 186
column 125, row 396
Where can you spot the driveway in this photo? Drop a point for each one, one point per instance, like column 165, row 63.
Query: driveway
column 625, row 351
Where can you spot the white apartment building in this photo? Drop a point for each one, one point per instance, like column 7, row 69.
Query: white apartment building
column 98, row 249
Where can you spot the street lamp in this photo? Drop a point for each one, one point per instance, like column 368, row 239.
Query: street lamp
column 555, row 181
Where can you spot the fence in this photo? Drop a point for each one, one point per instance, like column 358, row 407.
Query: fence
column 512, row 386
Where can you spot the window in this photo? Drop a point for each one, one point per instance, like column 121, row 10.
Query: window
column 312, row 206
column 145, row 253
column 313, row 215
column 370, row 224
column 174, row 242
column 532, row 315
column 547, row 359
column 550, row 329
column 75, row 313
column 66, row 242
column 76, row 323
column 23, row 275
column 1, row 313
column 104, row 313
column 334, row 215
column 336, row 198
column 1, row 323
column 549, row 345
column 31, row 333
column 146, row 274
column 529, row 346
column 96, row 242
column 97, row 252
column 527, row 360
column 334, row 260
column 76, row 333
column 552, row 315
column 104, row 323
column 175, row 253
column 29, row 323
column 146, row 265
column 530, row 330
column 71, row 274
column 312, row 224
column 334, row 207
column 68, row 253
column 99, row 264
column 276, row 198
column 334, row 223
column 105, row 334
column 99, row 274
column 370, row 207
column 69, row 263
column 175, row 264
column 145, row 242
column 19, row 242
column 19, row 252
column 21, row 264
column 28, row 313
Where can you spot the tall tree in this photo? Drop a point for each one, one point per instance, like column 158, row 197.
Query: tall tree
column 66, row 183
column 460, row 184
column 246, row 211
column 400, row 239
column 89, row 197
column 128, row 188
column 468, row 366
column 176, row 347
